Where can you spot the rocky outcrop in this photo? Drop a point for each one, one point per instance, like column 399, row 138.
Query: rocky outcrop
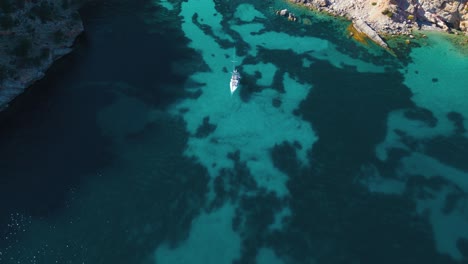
column 396, row 17
column 450, row 14
column 286, row 13
column 34, row 35
column 364, row 28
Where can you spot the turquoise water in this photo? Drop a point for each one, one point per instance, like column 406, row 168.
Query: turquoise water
column 133, row 150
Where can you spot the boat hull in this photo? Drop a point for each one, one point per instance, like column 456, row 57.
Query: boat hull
column 234, row 84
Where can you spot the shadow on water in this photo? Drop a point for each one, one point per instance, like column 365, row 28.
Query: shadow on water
column 130, row 44
column 49, row 136
column 347, row 221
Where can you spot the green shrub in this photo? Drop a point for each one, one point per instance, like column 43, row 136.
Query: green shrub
column 7, row 22
column 387, row 12
column 6, row 6
column 410, row 17
column 44, row 11
column 65, row 4
column 76, row 16
column 34, row 61
column 44, row 53
column 30, row 29
column 20, row 3
column 23, row 47
column 374, row 3
column 3, row 72
column 58, row 36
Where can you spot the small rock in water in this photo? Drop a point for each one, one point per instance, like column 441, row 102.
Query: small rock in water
column 291, row 17
column 283, row 12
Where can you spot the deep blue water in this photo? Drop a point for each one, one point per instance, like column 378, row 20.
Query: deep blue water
column 132, row 150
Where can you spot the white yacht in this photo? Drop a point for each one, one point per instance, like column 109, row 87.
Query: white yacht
column 235, row 78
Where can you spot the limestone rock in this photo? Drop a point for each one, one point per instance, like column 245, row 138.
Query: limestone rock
column 41, row 42
column 363, row 27
column 322, row 3
column 402, row 15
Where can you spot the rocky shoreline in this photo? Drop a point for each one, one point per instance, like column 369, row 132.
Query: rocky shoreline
column 33, row 35
column 379, row 18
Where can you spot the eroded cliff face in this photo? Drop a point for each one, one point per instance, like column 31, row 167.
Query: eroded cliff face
column 33, row 34
column 446, row 14
column 383, row 15
column 453, row 13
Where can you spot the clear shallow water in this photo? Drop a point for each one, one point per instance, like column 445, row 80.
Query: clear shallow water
column 134, row 151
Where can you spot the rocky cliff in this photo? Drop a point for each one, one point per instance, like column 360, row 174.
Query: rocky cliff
column 399, row 16
column 33, row 34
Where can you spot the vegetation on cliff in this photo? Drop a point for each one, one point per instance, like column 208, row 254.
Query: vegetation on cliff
column 33, row 34
column 382, row 20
